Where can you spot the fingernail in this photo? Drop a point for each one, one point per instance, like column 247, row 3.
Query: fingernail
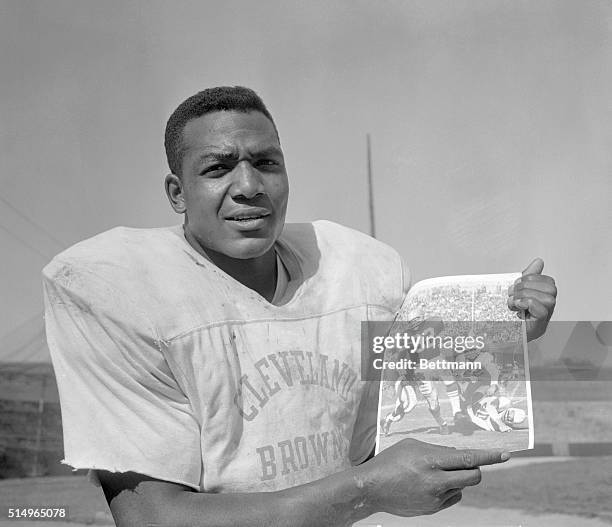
column 505, row 456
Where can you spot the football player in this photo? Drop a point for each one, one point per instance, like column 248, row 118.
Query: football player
column 405, row 401
column 495, row 413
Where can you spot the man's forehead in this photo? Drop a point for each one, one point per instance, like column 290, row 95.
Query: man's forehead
column 226, row 130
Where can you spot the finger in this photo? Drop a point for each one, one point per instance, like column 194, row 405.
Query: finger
column 537, row 301
column 534, row 308
column 511, row 305
column 457, row 479
column 535, row 278
column 450, row 493
column 535, row 267
column 529, row 286
column 455, row 498
column 471, row 458
column 538, row 284
column 543, row 298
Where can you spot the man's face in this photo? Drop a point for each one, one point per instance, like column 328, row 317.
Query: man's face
column 234, row 183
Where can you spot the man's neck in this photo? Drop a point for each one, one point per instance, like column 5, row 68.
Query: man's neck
column 258, row 274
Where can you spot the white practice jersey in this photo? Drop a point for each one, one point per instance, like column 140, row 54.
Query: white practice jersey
column 169, row 367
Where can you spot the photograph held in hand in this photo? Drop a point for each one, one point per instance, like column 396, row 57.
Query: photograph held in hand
column 455, row 371
column 208, row 372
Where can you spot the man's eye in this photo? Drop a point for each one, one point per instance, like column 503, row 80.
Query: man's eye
column 266, row 163
column 214, row 169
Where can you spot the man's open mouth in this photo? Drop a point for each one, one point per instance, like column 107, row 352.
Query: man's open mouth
column 247, row 218
column 248, row 215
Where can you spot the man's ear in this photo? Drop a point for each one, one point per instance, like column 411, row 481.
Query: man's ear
column 174, row 191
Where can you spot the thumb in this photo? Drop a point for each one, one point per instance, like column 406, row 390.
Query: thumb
column 535, row 267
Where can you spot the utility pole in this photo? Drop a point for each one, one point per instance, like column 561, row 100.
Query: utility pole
column 370, row 188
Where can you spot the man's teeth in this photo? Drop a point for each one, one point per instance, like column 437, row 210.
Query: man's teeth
column 245, row 218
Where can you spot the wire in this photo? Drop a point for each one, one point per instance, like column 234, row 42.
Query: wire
column 17, row 352
column 26, row 323
column 35, row 249
column 32, row 222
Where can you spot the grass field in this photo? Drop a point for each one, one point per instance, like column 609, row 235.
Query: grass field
column 419, row 424
column 86, row 503
column 572, row 411
column 573, row 421
column 581, row 487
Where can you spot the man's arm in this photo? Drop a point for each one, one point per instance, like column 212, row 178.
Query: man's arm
column 139, row 500
column 408, row 479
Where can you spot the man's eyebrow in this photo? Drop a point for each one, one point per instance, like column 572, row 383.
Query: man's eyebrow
column 217, row 155
column 267, row 152
column 232, row 155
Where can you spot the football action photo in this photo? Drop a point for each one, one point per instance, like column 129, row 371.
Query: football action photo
column 455, row 367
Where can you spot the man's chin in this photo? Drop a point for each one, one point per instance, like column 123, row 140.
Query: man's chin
column 247, row 249
column 237, row 247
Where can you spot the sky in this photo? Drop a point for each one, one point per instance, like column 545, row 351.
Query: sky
column 491, row 126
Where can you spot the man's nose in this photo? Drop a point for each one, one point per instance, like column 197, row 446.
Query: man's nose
column 247, row 181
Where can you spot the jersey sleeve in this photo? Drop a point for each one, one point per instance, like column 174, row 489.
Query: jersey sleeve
column 122, row 407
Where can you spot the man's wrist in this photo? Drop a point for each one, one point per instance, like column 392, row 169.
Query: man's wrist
column 339, row 500
column 536, row 329
column 364, row 502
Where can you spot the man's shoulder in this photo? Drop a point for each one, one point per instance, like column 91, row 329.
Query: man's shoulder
column 111, row 251
column 335, row 236
column 335, row 251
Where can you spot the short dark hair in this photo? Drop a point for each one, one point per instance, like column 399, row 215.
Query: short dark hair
column 221, row 98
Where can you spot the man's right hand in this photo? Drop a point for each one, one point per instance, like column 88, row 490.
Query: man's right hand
column 413, row 478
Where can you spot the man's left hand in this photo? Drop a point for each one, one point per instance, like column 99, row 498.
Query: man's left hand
column 534, row 296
